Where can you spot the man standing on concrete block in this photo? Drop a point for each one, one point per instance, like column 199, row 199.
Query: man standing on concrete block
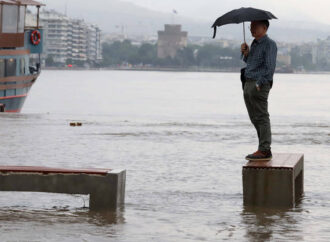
column 260, row 66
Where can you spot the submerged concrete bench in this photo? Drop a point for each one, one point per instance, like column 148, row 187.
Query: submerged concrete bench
column 276, row 183
column 106, row 187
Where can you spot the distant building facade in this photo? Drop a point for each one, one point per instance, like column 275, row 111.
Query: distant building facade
column 171, row 40
column 70, row 40
column 321, row 51
column 284, row 59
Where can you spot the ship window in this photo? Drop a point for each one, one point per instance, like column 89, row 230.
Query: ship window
column 10, row 92
column 10, row 67
column 22, row 66
column 2, row 68
column 20, row 91
column 21, row 20
column 9, row 18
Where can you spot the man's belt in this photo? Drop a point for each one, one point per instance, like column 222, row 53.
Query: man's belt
column 250, row 80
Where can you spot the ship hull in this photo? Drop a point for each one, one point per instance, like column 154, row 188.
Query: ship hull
column 16, row 79
column 13, row 104
column 14, row 91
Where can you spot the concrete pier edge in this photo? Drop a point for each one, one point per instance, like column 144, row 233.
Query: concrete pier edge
column 106, row 190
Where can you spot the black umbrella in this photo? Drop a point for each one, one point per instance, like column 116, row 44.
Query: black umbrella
column 240, row 15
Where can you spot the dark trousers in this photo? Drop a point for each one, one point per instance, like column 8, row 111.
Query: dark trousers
column 257, row 106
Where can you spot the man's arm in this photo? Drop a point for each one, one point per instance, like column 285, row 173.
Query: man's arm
column 245, row 58
column 270, row 63
column 245, row 51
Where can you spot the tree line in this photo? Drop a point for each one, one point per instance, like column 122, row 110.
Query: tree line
column 212, row 56
column 124, row 53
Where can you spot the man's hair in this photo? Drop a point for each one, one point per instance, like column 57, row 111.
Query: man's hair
column 265, row 22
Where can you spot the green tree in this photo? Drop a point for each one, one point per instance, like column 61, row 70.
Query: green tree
column 119, row 52
column 147, row 53
column 210, row 56
column 68, row 61
column 185, row 57
column 50, row 60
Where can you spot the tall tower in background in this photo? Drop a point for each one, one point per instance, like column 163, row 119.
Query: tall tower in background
column 171, row 40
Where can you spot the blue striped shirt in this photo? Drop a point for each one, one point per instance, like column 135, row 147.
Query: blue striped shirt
column 261, row 60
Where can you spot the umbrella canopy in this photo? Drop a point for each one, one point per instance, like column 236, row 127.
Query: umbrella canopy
column 240, row 15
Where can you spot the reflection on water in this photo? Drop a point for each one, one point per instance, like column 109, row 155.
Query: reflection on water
column 264, row 224
column 41, row 206
column 182, row 138
column 108, row 217
column 40, row 220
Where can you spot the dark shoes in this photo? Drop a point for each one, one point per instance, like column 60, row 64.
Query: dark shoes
column 260, row 156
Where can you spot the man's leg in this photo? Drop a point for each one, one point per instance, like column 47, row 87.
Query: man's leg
column 249, row 103
column 260, row 103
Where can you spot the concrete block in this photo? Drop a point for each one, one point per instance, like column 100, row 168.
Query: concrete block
column 106, row 187
column 275, row 183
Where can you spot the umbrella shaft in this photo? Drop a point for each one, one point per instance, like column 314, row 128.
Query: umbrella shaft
column 244, row 31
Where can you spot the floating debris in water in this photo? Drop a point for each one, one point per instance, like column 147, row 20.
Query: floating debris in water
column 73, row 124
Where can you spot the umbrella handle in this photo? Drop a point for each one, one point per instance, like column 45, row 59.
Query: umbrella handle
column 214, row 31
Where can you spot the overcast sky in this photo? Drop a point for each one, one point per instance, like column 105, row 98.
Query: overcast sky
column 315, row 10
column 308, row 10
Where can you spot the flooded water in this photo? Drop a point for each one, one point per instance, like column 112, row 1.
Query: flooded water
column 182, row 138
